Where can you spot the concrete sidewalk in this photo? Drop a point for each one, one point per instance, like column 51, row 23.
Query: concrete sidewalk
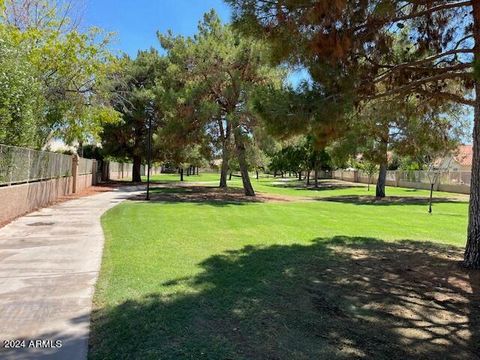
column 49, row 263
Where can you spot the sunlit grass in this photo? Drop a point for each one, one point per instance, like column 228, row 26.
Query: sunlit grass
column 156, row 253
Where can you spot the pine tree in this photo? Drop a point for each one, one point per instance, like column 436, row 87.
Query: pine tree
column 347, row 47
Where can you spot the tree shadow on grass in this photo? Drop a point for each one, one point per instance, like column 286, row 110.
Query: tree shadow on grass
column 389, row 200
column 322, row 185
column 336, row 298
column 201, row 195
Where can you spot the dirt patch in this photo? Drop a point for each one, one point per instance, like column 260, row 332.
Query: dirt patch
column 391, row 200
column 415, row 297
column 208, row 194
column 198, row 193
column 324, row 184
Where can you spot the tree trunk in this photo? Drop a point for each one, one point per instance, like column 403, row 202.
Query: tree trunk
column 137, row 164
column 198, row 169
column 226, row 137
column 224, row 169
column 240, row 147
column 308, row 177
column 316, row 178
column 383, row 160
column 431, row 198
column 472, row 250
column 80, row 148
column 181, row 174
column 300, row 175
column 382, row 178
column 256, row 171
column 230, row 176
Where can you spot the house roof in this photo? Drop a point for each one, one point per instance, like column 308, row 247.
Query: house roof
column 464, row 155
column 217, row 162
column 359, row 156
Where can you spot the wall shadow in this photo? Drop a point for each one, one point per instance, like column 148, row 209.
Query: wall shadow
column 335, row 298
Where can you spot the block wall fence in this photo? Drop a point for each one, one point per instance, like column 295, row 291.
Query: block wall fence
column 448, row 181
column 31, row 179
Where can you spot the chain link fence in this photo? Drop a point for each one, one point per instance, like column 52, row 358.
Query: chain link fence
column 85, row 166
column 119, row 171
column 423, row 177
column 21, row 165
column 447, row 180
column 456, row 178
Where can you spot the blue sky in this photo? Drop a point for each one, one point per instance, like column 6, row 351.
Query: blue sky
column 136, row 22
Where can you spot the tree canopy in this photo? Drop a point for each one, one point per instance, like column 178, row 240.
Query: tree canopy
column 66, row 67
column 349, row 50
column 219, row 70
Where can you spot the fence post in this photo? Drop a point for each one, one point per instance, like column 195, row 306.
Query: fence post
column 437, row 182
column 74, row 173
column 29, row 166
column 105, row 170
column 94, row 172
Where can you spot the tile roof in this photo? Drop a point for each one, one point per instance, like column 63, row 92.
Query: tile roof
column 464, row 155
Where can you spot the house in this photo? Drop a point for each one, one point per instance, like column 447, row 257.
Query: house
column 459, row 160
column 216, row 164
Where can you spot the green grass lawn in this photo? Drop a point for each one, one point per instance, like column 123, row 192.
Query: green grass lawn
column 292, row 279
column 169, row 178
column 293, row 187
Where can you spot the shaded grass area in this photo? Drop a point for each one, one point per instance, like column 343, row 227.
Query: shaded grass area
column 333, row 298
column 292, row 187
column 189, row 279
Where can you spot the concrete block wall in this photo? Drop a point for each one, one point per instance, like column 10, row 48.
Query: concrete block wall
column 356, row 176
column 19, row 199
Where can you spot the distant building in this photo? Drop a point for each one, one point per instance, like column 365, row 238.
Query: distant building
column 216, row 164
column 390, row 156
column 459, row 160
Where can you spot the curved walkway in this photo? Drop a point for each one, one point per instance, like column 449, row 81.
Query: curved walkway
column 49, row 263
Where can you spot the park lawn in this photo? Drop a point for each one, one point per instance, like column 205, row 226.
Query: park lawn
column 282, row 280
column 171, row 178
column 292, row 187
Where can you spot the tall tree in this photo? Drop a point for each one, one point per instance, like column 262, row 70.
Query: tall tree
column 407, row 128
column 134, row 97
column 70, row 65
column 21, row 98
column 344, row 38
column 220, row 69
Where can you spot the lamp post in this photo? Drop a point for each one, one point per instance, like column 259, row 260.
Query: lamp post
column 149, row 155
column 433, row 176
